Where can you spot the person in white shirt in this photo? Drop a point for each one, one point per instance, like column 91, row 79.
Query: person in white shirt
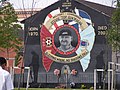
column 6, row 82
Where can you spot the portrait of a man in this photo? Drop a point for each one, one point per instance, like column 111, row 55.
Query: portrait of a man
column 65, row 39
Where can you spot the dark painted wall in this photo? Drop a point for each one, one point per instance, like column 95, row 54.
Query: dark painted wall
column 32, row 39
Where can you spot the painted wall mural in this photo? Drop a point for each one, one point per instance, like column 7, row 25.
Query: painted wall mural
column 70, row 35
column 66, row 37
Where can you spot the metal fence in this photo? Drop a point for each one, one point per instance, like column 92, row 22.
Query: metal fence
column 83, row 78
column 51, row 78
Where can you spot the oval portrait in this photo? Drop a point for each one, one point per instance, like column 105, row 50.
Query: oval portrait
column 66, row 39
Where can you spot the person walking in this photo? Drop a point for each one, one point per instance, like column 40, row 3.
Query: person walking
column 6, row 82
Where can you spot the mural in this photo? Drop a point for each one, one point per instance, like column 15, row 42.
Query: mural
column 70, row 35
column 64, row 40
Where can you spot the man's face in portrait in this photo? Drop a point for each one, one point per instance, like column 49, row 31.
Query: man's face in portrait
column 65, row 38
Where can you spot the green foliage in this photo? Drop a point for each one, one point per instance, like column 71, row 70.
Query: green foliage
column 18, row 56
column 8, row 30
column 113, row 34
column 83, row 86
column 9, row 36
column 91, row 88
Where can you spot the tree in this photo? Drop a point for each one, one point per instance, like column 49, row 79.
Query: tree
column 113, row 34
column 9, row 36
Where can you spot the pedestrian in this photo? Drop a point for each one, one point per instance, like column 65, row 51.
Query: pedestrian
column 6, row 82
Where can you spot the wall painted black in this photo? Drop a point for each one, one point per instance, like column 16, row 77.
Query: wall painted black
column 32, row 37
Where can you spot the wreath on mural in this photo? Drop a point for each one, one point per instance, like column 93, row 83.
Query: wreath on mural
column 57, row 72
column 74, row 72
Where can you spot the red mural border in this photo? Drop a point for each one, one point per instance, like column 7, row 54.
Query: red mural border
column 77, row 33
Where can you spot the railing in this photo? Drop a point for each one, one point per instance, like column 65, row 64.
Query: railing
column 28, row 74
column 82, row 77
column 110, row 77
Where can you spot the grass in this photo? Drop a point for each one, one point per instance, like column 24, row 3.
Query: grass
column 47, row 89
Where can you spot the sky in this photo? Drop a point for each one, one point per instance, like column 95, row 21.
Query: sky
column 27, row 4
column 110, row 3
column 20, row 4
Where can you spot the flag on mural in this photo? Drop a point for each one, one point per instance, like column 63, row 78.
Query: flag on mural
column 87, row 35
column 46, row 43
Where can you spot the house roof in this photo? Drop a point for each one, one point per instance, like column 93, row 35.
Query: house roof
column 94, row 6
column 105, row 9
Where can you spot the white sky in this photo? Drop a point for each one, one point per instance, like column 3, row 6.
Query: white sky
column 110, row 3
column 20, row 4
